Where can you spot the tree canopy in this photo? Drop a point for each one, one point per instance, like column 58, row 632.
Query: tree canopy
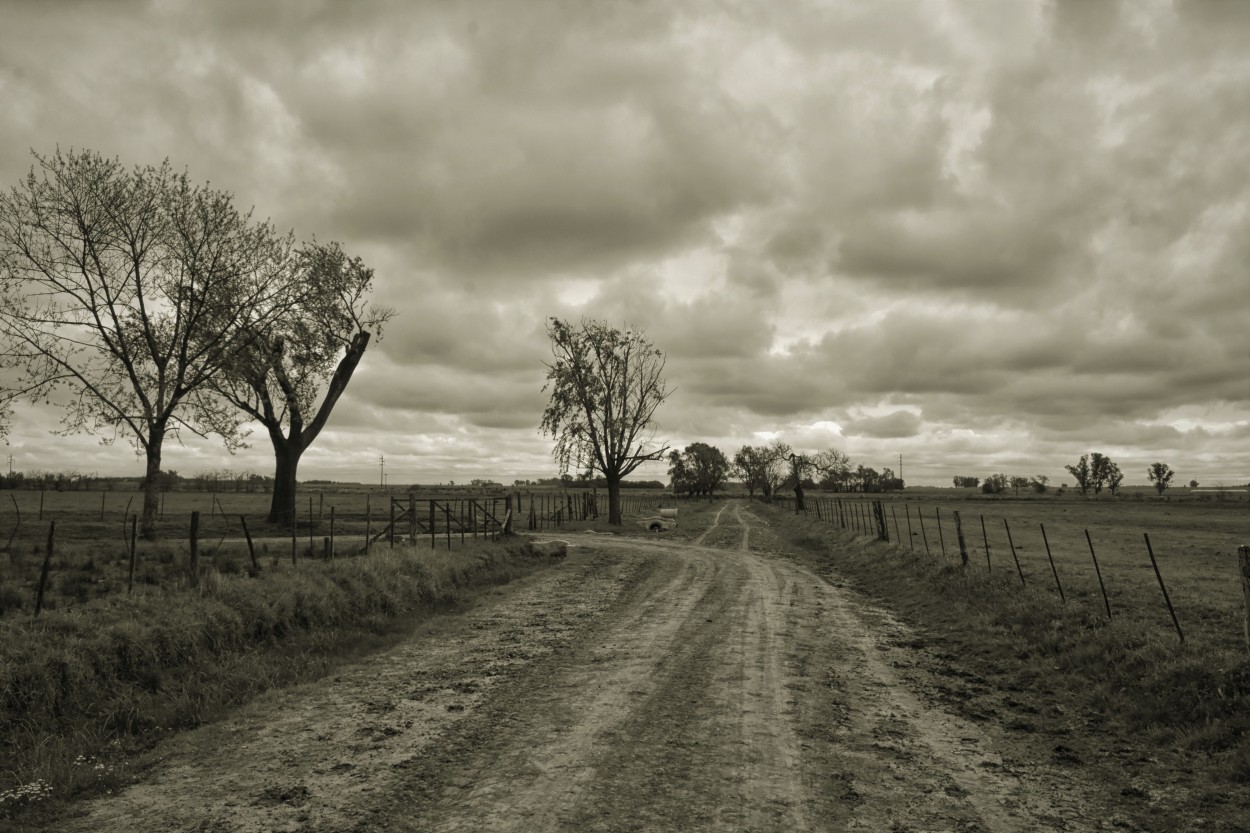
column 125, row 292
column 605, row 385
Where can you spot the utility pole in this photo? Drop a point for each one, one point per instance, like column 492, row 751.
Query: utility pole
column 900, row 467
column 382, row 471
column 10, row 466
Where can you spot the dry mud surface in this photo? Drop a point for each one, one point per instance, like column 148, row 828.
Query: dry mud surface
column 642, row 684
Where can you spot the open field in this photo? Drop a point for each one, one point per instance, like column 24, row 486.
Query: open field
column 1194, row 542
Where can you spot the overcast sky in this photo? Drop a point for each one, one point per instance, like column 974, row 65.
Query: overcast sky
column 986, row 235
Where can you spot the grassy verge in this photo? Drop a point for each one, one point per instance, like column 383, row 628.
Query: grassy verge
column 83, row 688
column 1125, row 682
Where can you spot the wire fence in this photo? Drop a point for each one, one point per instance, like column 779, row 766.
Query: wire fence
column 1114, row 571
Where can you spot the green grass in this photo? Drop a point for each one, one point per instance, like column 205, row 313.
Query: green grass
column 83, row 685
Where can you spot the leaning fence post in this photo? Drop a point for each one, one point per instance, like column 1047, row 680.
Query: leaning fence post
column 986, row 539
column 1098, row 572
column 1012, row 544
column 1159, row 576
column 924, row 536
column 959, row 535
column 894, row 515
column 47, row 565
column 937, row 513
column 1243, row 563
column 195, row 548
column 1053, row 569
column 911, row 545
column 251, row 549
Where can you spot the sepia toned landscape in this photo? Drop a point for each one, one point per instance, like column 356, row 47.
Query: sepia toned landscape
column 626, row 416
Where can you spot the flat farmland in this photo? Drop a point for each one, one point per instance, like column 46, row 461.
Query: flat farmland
column 1194, row 542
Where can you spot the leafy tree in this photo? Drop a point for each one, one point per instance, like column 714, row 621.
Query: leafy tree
column 1040, row 483
column 866, row 478
column 995, row 484
column 605, row 386
column 700, row 469
column 964, row 482
column 763, row 467
column 889, row 481
column 1193, row 484
column 1160, row 475
column 1114, row 477
column 1017, row 483
column 1099, row 471
column 1081, row 472
column 320, row 331
column 130, row 291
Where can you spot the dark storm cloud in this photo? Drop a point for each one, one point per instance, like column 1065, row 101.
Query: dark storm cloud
column 1028, row 221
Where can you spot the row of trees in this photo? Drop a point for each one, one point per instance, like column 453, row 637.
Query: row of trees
column 1094, row 471
column 147, row 305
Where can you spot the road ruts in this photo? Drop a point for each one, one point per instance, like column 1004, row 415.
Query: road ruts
column 643, row 685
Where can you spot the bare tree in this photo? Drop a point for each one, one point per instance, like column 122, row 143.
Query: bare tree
column 605, row 386
column 317, row 338
column 834, row 467
column 126, row 291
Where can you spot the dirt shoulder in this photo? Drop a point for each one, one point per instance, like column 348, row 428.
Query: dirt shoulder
column 642, row 684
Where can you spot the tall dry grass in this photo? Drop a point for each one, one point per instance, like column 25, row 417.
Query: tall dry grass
column 81, row 685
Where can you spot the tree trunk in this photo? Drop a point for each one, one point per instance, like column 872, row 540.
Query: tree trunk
column 282, row 507
column 151, row 489
column 614, row 501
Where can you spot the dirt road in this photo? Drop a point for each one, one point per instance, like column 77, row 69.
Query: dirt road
column 642, row 684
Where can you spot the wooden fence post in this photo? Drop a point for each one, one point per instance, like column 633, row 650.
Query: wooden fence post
column 251, row 549
column 959, row 536
column 368, row 521
column 1243, row 564
column 195, row 548
column 311, row 546
column 331, row 530
column 924, row 536
column 412, row 518
column 1166, row 600
column 102, row 494
column 894, row 515
column 986, row 540
column 937, row 513
column 911, row 545
column 47, row 565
